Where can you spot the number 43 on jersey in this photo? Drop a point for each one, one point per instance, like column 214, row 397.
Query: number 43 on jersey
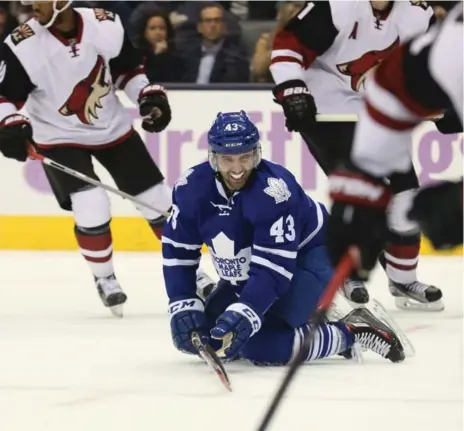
column 283, row 228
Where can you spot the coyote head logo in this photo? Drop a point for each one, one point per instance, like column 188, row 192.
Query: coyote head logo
column 359, row 68
column 87, row 95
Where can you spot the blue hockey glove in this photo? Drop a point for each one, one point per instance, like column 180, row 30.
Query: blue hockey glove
column 235, row 327
column 187, row 316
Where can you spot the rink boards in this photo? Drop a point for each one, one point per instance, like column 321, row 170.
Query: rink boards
column 31, row 219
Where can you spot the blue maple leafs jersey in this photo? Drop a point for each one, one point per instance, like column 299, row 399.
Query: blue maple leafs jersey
column 254, row 236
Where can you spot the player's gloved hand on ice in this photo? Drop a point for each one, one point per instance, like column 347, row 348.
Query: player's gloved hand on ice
column 438, row 211
column 154, row 108
column 298, row 105
column 357, row 218
column 235, row 327
column 15, row 135
column 187, row 316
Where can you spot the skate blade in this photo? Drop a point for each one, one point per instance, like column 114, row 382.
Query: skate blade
column 381, row 313
column 409, row 304
column 117, row 310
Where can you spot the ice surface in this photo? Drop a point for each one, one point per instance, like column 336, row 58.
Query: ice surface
column 66, row 364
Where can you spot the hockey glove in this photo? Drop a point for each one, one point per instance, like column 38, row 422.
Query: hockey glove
column 358, row 218
column 15, row 135
column 235, row 327
column 154, row 108
column 438, row 210
column 298, row 105
column 187, row 316
column 449, row 123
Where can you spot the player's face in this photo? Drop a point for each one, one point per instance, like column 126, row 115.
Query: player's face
column 236, row 169
column 43, row 11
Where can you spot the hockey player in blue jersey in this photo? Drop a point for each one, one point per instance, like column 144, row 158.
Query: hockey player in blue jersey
column 266, row 239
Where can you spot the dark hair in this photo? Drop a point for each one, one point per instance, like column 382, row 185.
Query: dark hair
column 209, row 5
column 139, row 20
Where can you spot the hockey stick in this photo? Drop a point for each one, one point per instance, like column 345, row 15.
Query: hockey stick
column 342, row 270
column 336, row 118
column 210, row 357
column 49, row 162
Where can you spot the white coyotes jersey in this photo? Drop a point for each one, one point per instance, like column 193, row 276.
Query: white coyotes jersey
column 336, row 77
column 74, row 101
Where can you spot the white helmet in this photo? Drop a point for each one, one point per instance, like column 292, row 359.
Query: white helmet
column 56, row 11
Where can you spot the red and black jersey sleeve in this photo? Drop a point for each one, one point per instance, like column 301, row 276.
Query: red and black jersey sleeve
column 307, row 35
column 127, row 65
column 15, row 84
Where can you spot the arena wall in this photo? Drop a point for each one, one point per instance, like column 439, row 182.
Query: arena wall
column 31, row 219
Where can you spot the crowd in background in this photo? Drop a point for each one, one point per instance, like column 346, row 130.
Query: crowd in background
column 191, row 41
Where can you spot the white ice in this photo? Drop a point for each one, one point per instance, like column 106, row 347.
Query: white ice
column 66, row 364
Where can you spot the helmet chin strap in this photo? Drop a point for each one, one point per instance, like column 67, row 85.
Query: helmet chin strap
column 56, row 12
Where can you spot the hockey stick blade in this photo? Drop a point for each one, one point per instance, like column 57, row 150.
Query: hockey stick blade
column 49, row 162
column 209, row 356
column 342, row 270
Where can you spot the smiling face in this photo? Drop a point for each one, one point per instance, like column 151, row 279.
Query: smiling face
column 235, row 169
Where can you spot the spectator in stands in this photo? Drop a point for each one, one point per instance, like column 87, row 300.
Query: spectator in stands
column 152, row 32
column 184, row 16
column 216, row 58
column 7, row 22
column 261, row 59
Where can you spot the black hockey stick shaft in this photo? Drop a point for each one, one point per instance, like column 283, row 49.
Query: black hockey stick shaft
column 342, row 270
column 207, row 353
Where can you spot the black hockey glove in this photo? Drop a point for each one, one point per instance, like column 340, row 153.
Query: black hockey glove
column 438, row 210
column 298, row 105
column 15, row 136
column 449, row 123
column 357, row 218
column 154, row 108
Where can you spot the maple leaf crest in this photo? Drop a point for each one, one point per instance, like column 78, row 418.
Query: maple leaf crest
column 182, row 181
column 277, row 189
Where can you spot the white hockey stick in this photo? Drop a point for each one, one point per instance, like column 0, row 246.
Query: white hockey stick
column 49, row 162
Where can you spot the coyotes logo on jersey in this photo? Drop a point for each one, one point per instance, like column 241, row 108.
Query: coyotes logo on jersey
column 360, row 67
column 21, row 33
column 104, row 15
column 87, row 95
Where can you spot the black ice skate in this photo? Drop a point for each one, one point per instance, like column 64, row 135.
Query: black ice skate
column 205, row 284
column 355, row 291
column 111, row 294
column 371, row 334
column 416, row 296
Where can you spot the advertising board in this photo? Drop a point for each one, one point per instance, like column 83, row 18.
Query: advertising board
column 31, row 219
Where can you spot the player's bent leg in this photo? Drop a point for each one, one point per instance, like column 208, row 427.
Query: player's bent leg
column 401, row 256
column 312, row 275
column 91, row 209
column 277, row 343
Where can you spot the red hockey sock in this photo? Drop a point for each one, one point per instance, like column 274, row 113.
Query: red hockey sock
column 96, row 245
column 402, row 262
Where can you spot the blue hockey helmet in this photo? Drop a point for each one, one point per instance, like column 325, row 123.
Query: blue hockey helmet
column 233, row 133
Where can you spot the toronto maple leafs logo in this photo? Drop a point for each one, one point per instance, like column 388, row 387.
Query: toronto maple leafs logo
column 229, row 265
column 183, row 179
column 277, row 189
